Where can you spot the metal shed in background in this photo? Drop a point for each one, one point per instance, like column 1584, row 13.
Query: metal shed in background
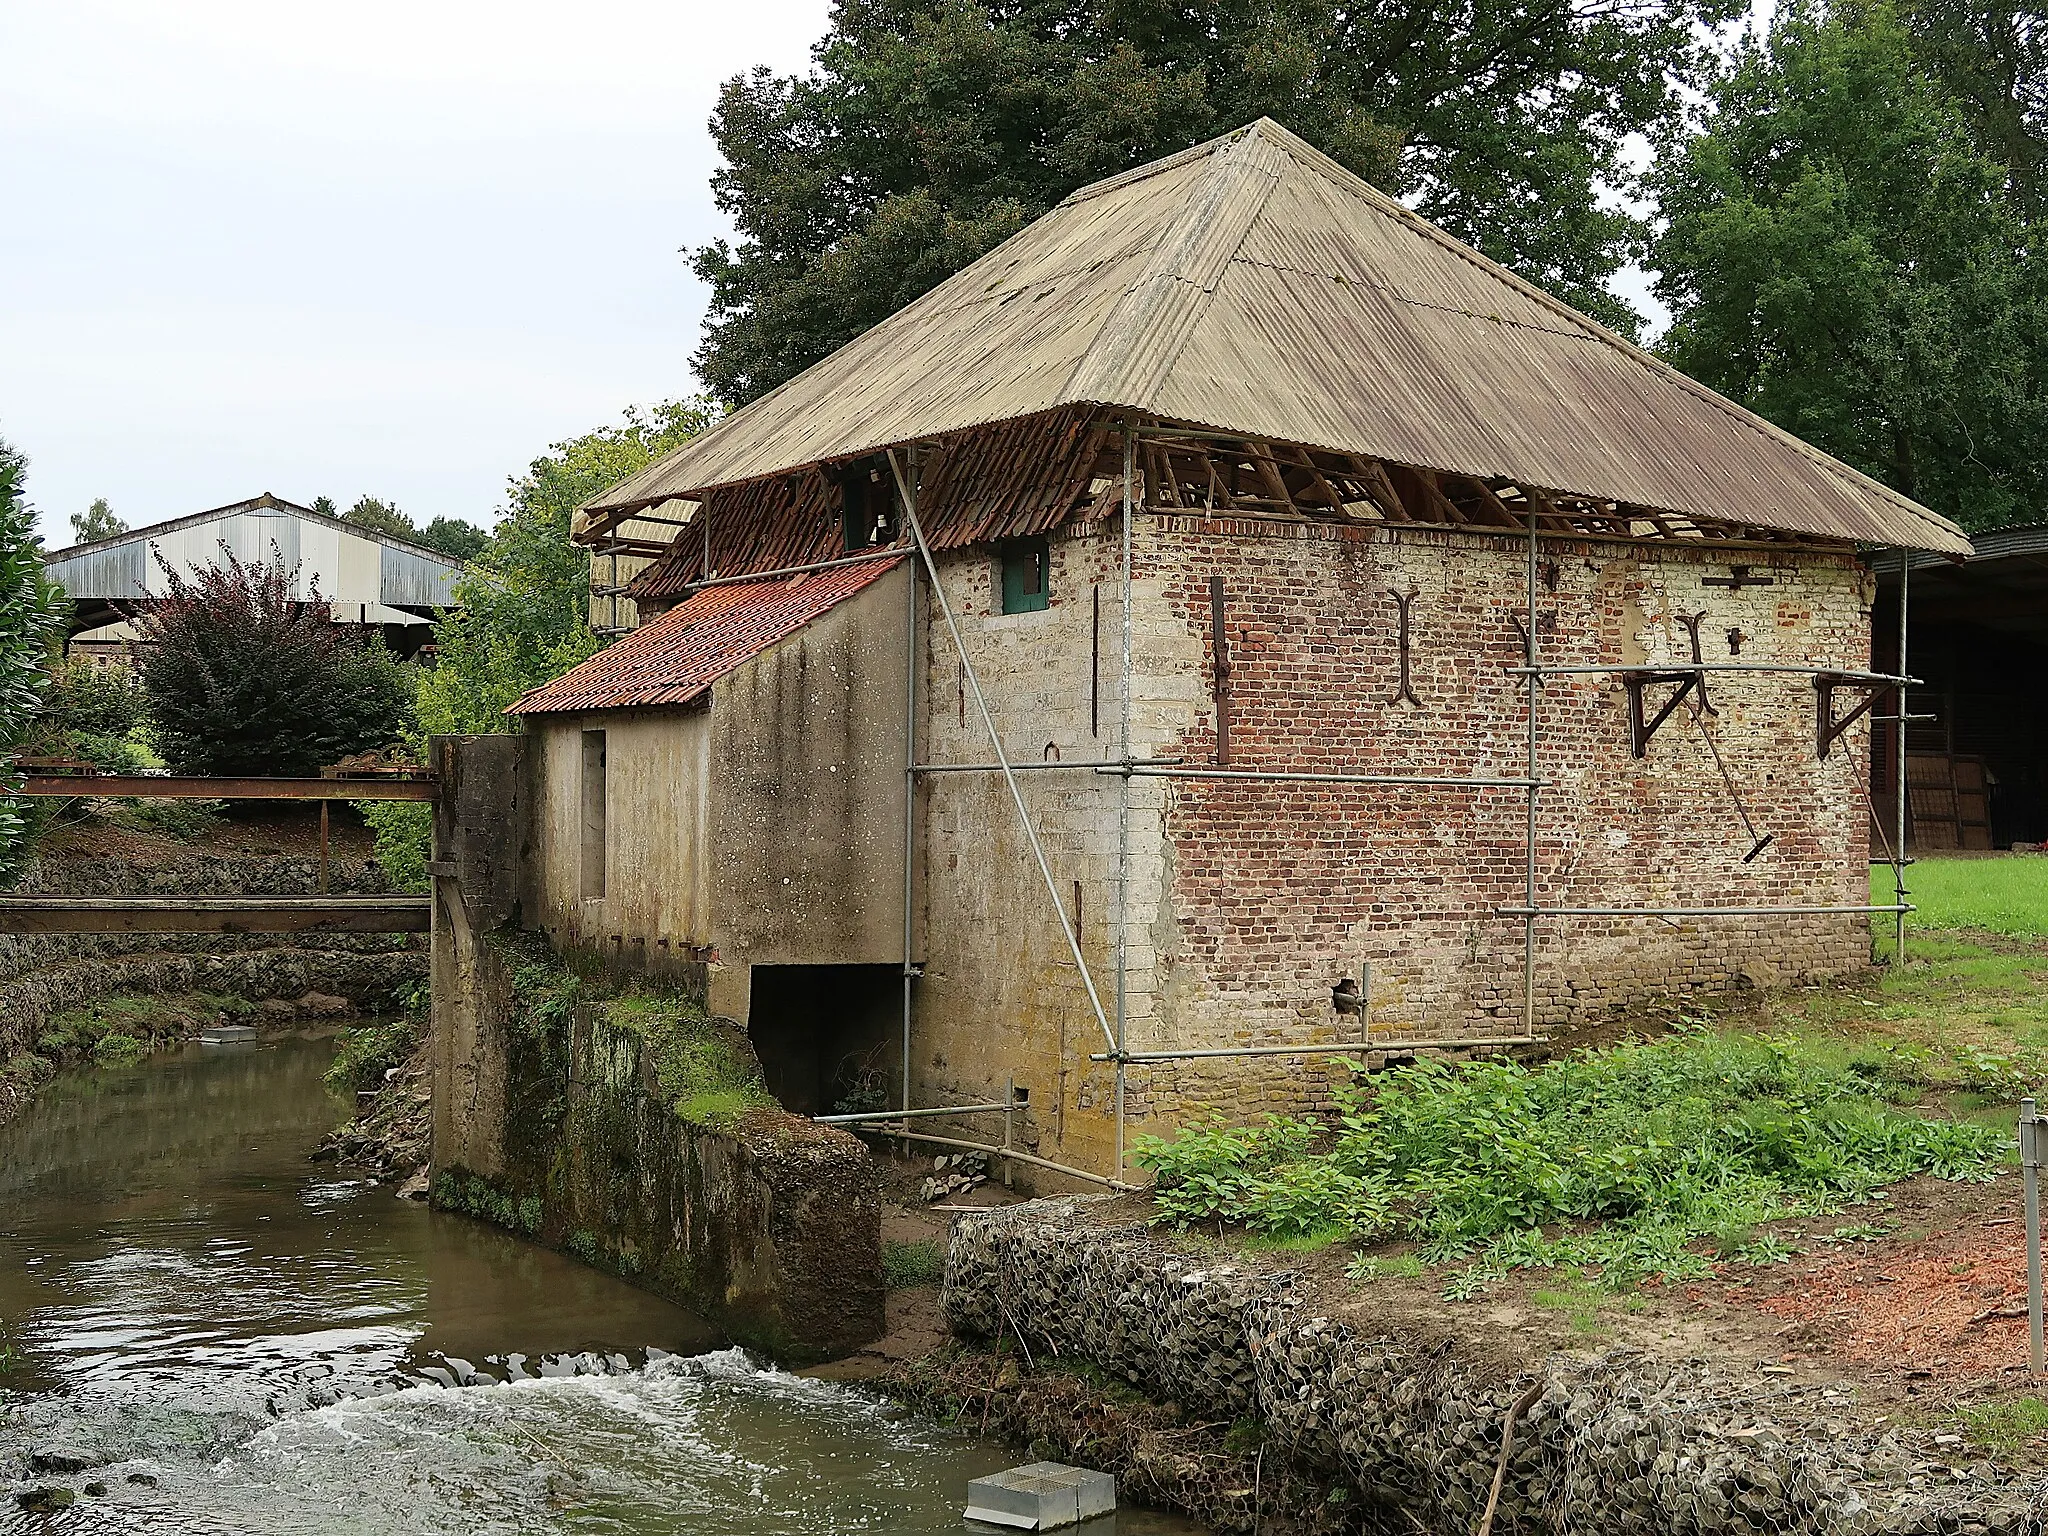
column 367, row 578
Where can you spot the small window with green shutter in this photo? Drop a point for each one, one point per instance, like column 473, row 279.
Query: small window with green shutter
column 1026, row 571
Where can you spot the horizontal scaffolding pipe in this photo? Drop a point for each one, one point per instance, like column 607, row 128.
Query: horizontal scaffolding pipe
column 879, row 1115
column 1806, row 669
column 799, row 570
column 1694, row 911
column 1279, row 776
column 1342, row 1049
column 1009, row 1152
column 1014, row 767
column 144, row 786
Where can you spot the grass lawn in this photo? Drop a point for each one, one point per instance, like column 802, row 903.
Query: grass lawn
column 1998, row 895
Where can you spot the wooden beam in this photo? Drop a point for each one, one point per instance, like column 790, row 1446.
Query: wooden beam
column 118, row 786
column 214, row 914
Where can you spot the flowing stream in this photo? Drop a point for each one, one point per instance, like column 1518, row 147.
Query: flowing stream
column 233, row 1339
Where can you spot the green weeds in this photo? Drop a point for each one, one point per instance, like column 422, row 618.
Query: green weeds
column 363, row 1053
column 706, row 1070
column 906, row 1265
column 1619, row 1160
column 2004, row 1427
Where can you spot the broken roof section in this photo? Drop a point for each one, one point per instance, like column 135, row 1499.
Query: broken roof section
column 1251, row 285
column 675, row 658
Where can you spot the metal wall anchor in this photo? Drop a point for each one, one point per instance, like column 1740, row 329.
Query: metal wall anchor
column 1407, row 689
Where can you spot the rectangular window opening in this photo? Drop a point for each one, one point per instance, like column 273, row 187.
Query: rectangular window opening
column 594, row 805
column 867, row 505
column 1026, row 571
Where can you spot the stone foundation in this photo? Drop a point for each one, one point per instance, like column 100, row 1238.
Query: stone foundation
column 1409, row 1426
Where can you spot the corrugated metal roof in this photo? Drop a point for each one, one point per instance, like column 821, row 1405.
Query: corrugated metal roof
column 675, row 658
column 1252, row 285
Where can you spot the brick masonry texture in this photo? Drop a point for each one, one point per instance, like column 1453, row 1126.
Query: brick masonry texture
column 1248, row 900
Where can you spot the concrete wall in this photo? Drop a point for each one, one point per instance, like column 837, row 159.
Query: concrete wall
column 763, row 829
column 551, row 1122
column 1248, row 901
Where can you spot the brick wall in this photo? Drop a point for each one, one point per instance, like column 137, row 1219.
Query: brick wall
column 1276, row 891
column 1248, row 900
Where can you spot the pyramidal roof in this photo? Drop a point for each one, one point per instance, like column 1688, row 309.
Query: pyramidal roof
column 1251, row 285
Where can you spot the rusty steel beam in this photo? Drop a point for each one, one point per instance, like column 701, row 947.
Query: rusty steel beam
column 214, row 914
column 109, row 786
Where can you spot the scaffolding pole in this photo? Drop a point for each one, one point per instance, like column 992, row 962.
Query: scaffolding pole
column 909, row 809
column 1535, row 684
column 1899, row 835
column 995, row 741
column 1123, row 808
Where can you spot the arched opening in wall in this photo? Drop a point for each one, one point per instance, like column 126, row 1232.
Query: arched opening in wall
column 829, row 1036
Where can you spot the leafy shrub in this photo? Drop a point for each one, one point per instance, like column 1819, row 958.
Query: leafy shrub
column 245, row 677
column 363, row 1053
column 1664, row 1141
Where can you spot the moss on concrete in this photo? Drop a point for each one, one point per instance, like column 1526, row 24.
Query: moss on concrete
column 706, row 1067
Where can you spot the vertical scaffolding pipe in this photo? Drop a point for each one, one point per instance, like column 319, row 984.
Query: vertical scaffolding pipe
column 1529, row 848
column 2030, row 1173
column 1899, row 766
column 909, row 798
column 1123, row 804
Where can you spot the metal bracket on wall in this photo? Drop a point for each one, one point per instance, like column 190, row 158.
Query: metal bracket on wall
column 1827, row 725
column 1641, row 727
column 1402, row 600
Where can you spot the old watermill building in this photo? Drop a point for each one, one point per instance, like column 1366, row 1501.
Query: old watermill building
column 1229, row 623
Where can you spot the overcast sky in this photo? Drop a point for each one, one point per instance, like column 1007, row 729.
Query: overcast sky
column 394, row 248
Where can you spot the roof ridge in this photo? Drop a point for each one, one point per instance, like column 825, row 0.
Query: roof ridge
column 1350, row 181
column 1148, row 328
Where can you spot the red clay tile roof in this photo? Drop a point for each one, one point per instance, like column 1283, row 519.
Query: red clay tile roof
column 676, row 658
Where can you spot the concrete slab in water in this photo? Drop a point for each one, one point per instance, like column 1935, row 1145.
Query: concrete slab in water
column 1041, row 1496
column 228, row 1034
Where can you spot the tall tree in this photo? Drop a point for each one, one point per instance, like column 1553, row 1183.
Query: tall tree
column 523, row 607
column 524, row 603
column 380, row 516
column 96, row 522
column 29, row 607
column 454, row 537
column 1845, row 255
column 928, row 130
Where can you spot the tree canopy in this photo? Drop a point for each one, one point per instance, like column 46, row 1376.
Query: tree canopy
column 1853, row 247
column 96, row 522
column 523, row 614
column 29, row 607
column 451, row 536
column 927, row 131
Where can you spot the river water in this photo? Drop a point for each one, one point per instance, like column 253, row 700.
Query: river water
column 239, row 1340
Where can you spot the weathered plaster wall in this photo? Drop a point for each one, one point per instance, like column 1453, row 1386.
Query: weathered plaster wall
column 555, row 1124
column 1001, row 994
column 764, row 829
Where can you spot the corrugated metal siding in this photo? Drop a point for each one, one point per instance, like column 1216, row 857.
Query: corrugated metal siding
column 351, row 568
column 408, row 580
column 1254, row 286
column 113, row 572
column 675, row 658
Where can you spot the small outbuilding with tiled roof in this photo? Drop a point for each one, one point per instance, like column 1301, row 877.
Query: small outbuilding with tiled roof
column 1229, row 628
